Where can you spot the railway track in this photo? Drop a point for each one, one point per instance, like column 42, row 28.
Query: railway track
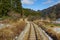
column 33, row 32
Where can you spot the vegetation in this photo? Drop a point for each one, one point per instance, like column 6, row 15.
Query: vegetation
column 15, row 6
column 31, row 14
column 9, row 33
column 57, row 25
column 7, row 8
column 12, row 10
column 10, row 5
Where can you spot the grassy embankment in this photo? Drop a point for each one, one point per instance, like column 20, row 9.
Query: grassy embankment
column 48, row 27
column 9, row 33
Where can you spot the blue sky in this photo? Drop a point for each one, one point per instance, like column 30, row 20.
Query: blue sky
column 39, row 4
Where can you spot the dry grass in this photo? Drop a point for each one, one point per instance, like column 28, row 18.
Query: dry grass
column 58, row 36
column 9, row 33
column 48, row 28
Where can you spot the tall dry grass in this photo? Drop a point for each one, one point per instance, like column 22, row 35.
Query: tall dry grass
column 9, row 33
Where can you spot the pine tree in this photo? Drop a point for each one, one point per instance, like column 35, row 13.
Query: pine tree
column 18, row 6
column 0, row 8
column 4, row 7
column 8, row 5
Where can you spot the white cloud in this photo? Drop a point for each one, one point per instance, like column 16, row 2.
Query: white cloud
column 57, row 1
column 28, row 1
column 51, row 1
column 48, row 1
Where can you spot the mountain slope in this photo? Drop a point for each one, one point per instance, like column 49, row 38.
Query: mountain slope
column 54, row 9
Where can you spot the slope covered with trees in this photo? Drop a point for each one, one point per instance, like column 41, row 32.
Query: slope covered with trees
column 14, row 8
column 10, row 5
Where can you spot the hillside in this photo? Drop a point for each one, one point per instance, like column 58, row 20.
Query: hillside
column 54, row 9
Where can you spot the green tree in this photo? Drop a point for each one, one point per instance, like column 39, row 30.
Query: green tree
column 18, row 6
column 4, row 7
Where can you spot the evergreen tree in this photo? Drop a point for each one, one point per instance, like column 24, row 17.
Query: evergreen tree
column 4, row 7
column 0, row 8
column 17, row 6
column 8, row 5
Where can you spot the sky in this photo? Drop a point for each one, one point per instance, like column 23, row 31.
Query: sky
column 39, row 4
